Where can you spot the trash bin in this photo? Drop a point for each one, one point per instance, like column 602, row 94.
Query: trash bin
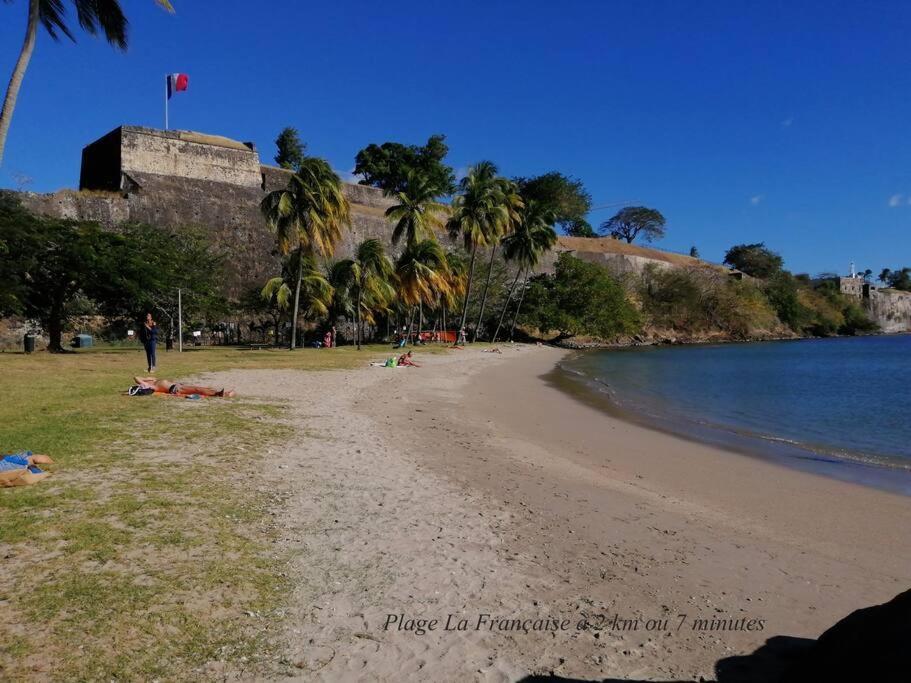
column 28, row 343
column 81, row 341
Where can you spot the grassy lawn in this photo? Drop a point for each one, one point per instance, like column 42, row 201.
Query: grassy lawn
column 148, row 554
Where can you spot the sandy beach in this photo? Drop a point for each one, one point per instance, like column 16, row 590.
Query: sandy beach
column 467, row 520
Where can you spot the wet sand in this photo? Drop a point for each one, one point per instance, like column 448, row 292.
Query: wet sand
column 545, row 536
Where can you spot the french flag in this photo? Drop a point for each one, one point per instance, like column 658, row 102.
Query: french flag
column 177, row 83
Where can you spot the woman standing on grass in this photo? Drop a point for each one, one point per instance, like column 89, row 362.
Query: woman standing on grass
column 148, row 334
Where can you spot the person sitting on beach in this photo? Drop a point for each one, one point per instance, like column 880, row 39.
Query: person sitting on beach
column 405, row 359
column 166, row 386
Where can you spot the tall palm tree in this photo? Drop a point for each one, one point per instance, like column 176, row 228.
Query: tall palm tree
column 534, row 234
column 93, row 15
column 510, row 204
column 314, row 291
column 418, row 213
column 368, row 276
column 422, row 272
column 477, row 210
column 308, row 216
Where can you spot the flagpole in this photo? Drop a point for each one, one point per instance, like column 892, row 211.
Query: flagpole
column 166, row 102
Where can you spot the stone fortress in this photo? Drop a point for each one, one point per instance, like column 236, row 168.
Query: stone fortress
column 170, row 178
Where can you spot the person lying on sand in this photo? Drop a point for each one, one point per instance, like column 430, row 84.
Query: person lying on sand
column 495, row 349
column 405, row 359
column 456, row 346
column 166, row 386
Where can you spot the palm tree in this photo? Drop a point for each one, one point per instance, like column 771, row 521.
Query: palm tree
column 92, row 15
column 312, row 287
column 418, row 213
column 422, row 272
column 477, row 209
column 534, row 234
column 368, row 276
column 308, row 216
column 456, row 284
column 510, row 203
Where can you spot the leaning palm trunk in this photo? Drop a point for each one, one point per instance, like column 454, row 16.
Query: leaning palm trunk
column 15, row 81
column 474, row 251
column 493, row 253
column 506, row 305
column 297, row 299
column 519, row 306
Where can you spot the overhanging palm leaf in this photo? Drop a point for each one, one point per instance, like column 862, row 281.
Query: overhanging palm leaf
column 94, row 16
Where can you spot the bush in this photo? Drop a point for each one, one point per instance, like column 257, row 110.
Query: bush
column 579, row 299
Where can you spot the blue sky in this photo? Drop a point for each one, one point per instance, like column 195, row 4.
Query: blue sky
column 783, row 122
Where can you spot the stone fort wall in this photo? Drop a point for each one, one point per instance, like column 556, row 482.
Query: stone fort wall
column 170, row 179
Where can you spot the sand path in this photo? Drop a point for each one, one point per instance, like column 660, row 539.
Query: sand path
column 470, row 487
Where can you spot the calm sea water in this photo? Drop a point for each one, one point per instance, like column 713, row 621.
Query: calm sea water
column 836, row 406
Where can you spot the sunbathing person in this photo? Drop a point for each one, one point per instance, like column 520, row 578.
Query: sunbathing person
column 405, row 359
column 495, row 349
column 166, row 386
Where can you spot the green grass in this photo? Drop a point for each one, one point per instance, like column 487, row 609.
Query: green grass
column 130, row 563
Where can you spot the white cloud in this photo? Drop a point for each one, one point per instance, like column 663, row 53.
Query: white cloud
column 896, row 200
column 787, row 122
column 754, row 200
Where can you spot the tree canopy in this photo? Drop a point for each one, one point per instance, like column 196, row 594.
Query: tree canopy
column 631, row 221
column 562, row 196
column 580, row 298
column 896, row 279
column 54, row 269
column 756, row 260
column 389, row 165
column 291, row 151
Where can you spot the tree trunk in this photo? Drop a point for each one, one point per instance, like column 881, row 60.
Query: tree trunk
column 493, row 253
column 15, row 81
column 443, row 338
column 410, row 327
column 506, row 305
column 474, row 251
column 297, row 300
column 358, row 333
column 55, row 329
column 420, row 319
column 519, row 306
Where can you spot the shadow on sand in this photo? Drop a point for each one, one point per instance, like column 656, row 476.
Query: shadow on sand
column 870, row 644
column 766, row 664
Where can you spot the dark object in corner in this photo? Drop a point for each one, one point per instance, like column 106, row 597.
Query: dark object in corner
column 870, row 644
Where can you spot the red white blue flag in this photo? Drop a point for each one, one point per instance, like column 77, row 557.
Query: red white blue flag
column 177, row 83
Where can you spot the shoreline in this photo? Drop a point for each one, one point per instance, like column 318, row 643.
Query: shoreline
column 870, row 471
column 470, row 486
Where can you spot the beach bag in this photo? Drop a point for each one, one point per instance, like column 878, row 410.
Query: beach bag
column 137, row 390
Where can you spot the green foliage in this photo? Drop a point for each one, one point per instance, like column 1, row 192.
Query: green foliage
column 564, row 197
column 58, row 268
column 579, row 299
column 754, row 259
column 418, row 214
column 698, row 300
column 391, row 166
column 896, row 279
column 631, row 221
column 93, row 16
column 291, row 151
